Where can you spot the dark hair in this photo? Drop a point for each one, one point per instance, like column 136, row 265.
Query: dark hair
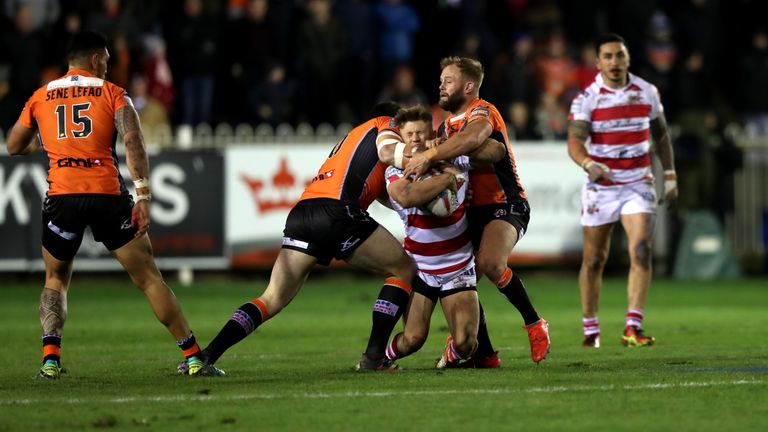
column 388, row 109
column 608, row 38
column 85, row 43
column 470, row 68
column 414, row 113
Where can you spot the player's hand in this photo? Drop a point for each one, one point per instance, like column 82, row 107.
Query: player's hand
column 598, row 171
column 140, row 217
column 670, row 188
column 418, row 165
column 431, row 143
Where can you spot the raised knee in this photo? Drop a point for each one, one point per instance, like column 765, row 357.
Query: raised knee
column 490, row 266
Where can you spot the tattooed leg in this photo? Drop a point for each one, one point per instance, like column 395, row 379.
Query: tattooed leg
column 53, row 311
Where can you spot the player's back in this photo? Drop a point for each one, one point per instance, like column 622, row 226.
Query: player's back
column 353, row 173
column 493, row 183
column 75, row 119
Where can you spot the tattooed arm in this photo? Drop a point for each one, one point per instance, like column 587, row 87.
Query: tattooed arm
column 129, row 128
column 662, row 146
column 578, row 132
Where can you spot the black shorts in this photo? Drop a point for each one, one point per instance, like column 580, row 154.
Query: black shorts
column 327, row 228
column 66, row 216
column 433, row 293
column 516, row 214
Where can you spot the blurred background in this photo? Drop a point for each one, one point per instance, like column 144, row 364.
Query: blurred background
column 241, row 99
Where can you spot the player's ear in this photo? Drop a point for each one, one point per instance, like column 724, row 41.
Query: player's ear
column 94, row 61
column 469, row 86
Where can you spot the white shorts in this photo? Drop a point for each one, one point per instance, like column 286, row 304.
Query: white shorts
column 601, row 205
column 466, row 277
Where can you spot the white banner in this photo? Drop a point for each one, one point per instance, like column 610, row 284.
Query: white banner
column 263, row 182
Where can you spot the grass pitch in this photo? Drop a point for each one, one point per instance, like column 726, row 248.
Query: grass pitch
column 708, row 371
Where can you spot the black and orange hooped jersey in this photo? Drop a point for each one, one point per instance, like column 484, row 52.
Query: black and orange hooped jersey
column 353, row 173
column 75, row 121
column 491, row 184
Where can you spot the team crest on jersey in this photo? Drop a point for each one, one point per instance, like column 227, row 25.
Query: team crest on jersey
column 392, row 123
column 636, row 99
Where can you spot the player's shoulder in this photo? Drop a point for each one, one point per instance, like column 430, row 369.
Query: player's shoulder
column 642, row 84
column 482, row 107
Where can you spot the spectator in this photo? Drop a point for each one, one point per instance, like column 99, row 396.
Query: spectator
column 402, row 89
column 521, row 126
column 556, row 71
column 359, row 69
column 152, row 113
column 194, row 60
column 25, row 51
column 398, row 23
column 319, row 54
column 272, row 100
column 551, row 118
column 157, row 73
column 752, row 86
column 512, row 76
column 42, row 13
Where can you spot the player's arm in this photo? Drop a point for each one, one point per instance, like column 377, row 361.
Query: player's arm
column 463, row 143
column 409, row 193
column 578, row 133
column 392, row 150
column 129, row 128
column 662, row 145
column 22, row 140
column 489, row 151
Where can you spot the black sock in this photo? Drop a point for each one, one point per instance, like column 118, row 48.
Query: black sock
column 52, row 347
column 242, row 323
column 484, row 346
column 514, row 291
column 387, row 310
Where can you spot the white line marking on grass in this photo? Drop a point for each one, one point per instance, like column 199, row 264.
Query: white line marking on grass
column 380, row 394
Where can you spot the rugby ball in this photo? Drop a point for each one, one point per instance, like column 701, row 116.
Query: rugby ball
column 445, row 203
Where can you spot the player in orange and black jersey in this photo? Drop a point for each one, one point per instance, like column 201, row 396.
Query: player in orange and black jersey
column 331, row 221
column 76, row 119
column 499, row 211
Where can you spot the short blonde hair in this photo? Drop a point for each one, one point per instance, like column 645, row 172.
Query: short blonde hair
column 415, row 113
column 470, row 68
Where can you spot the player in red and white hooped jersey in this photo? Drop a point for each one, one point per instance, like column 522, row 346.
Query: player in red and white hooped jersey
column 441, row 247
column 611, row 124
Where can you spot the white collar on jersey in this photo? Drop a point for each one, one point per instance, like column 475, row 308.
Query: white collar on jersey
column 601, row 82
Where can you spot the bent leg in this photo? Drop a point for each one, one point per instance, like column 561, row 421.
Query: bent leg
column 383, row 254
column 462, row 311
column 288, row 275
column 498, row 241
column 416, row 328
column 137, row 259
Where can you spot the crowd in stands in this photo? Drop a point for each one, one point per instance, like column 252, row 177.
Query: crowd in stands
column 188, row 62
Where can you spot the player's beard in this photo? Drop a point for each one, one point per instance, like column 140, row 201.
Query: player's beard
column 453, row 102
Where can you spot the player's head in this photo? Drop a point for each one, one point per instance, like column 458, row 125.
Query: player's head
column 612, row 58
column 88, row 50
column 460, row 79
column 415, row 125
column 384, row 109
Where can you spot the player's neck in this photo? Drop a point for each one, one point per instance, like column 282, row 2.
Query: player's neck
column 616, row 84
column 465, row 105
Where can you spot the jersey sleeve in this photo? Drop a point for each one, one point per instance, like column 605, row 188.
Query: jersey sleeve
column 27, row 117
column 119, row 97
column 656, row 107
column 480, row 113
column 392, row 174
column 581, row 108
